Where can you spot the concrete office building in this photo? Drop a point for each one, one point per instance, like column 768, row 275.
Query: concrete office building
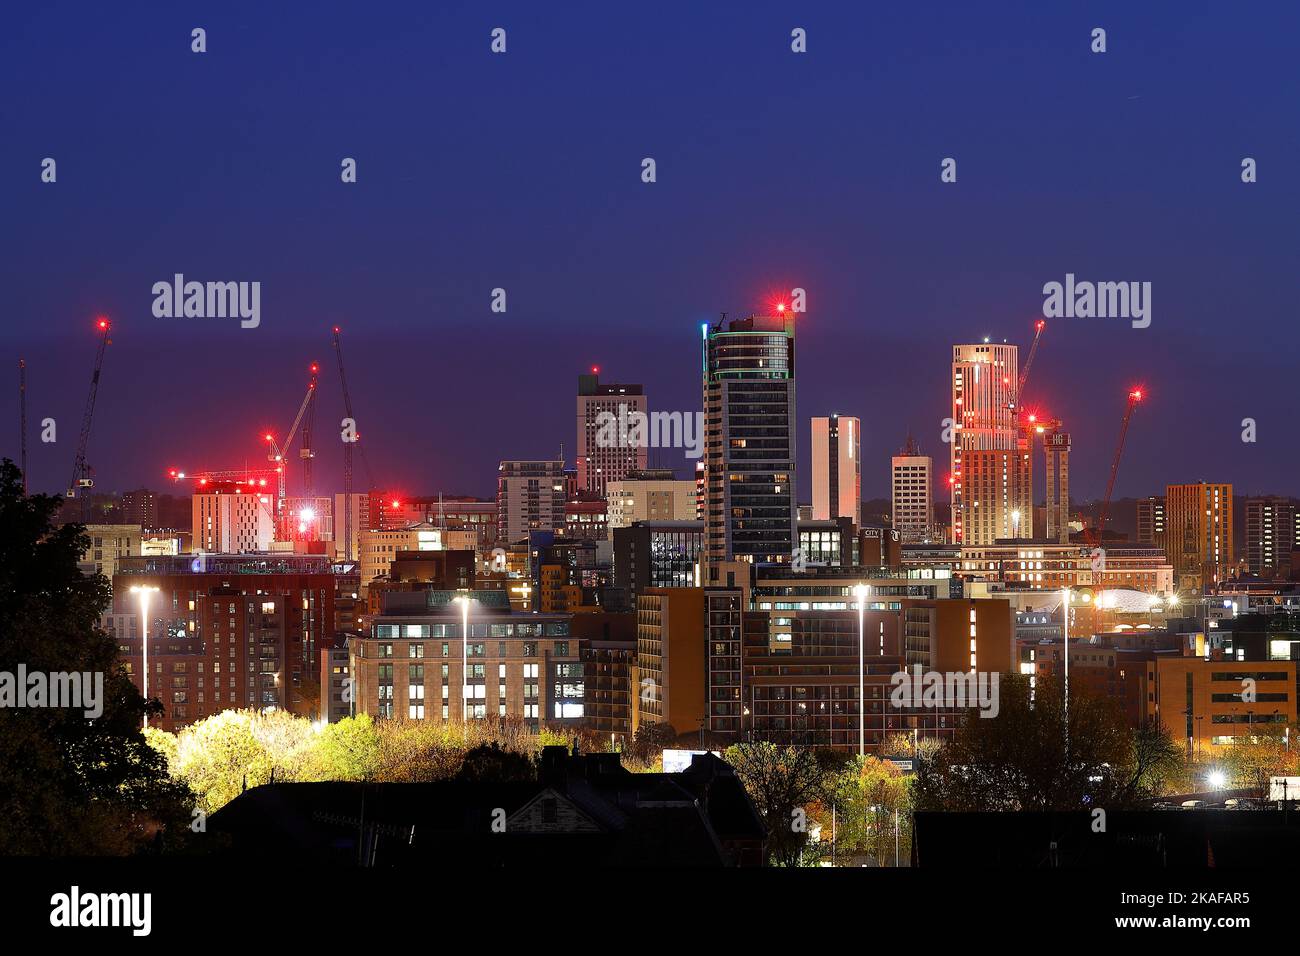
column 530, row 497
column 912, row 487
column 108, row 544
column 1272, row 524
column 656, row 554
column 599, row 463
column 232, row 519
column 649, row 496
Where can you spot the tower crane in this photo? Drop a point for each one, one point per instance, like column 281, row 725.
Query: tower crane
column 1039, row 326
column 278, row 454
column 81, row 472
column 305, row 454
column 1134, row 397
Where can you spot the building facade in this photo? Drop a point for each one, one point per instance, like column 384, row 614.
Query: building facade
column 650, row 496
column 671, row 657
column 1043, row 565
column 226, row 631
column 530, row 497
column 749, row 422
column 1151, row 520
column 837, row 468
column 1199, row 535
column 657, row 554
column 140, row 507
column 601, row 461
column 414, row 661
column 912, row 492
column 1272, row 534
column 1200, row 701
column 108, row 544
column 986, row 470
column 233, row 520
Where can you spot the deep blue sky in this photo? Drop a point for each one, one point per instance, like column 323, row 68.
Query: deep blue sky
column 523, row 171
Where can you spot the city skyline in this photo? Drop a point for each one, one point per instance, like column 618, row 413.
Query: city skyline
column 570, row 439
column 897, row 265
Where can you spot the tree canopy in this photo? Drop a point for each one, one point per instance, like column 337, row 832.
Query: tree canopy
column 70, row 784
column 1023, row 759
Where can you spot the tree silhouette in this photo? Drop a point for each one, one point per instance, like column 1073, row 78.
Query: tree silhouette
column 69, row 784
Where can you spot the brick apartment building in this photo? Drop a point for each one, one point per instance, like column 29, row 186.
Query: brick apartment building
column 226, row 631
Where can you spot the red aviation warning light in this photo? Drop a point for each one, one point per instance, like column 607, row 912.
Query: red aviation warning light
column 780, row 307
column 102, row 324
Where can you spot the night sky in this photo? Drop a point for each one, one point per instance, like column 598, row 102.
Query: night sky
column 775, row 170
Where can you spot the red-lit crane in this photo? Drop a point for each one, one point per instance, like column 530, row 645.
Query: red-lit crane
column 251, row 478
column 1029, row 363
column 81, row 472
column 277, row 454
column 1134, row 397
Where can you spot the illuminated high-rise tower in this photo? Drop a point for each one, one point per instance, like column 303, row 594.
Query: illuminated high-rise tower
column 749, row 429
column 991, row 462
column 837, row 468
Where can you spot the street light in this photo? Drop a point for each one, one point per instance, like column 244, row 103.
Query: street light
column 144, row 591
column 860, row 592
column 463, row 601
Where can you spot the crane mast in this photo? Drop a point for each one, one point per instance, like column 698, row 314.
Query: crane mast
column 1029, row 363
column 1134, row 397
column 278, row 454
column 81, row 472
column 305, row 454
